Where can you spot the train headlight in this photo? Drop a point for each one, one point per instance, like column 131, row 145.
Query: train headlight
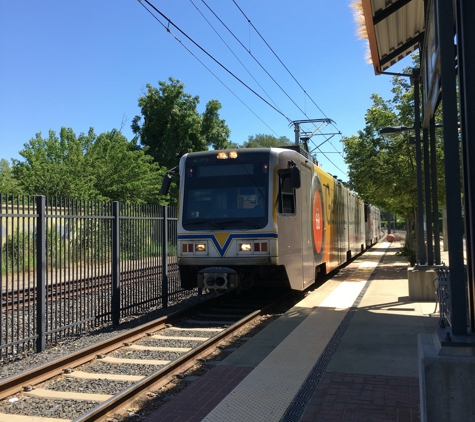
column 200, row 247
column 257, row 247
column 222, row 155
column 244, row 247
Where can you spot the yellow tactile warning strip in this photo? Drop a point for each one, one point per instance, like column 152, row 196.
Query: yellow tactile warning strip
column 66, row 395
column 266, row 392
column 19, row 418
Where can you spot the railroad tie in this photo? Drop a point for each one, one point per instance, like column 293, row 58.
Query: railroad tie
column 109, row 359
column 110, row 377
column 66, row 395
column 195, row 329
column 159, row 337
column 21, row 418
column 158, row 348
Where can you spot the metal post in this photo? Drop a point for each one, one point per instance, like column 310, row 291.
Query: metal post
column 435, row 195
column 165, row 257
column 115, row 302
column 445, row 34
column 389, row 222
column 465, row 15
column 420, row 205
column 430, row 249
column 297, row 133
column 41, row 274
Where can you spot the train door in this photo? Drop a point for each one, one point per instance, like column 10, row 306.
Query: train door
column 308, row 270
column 342, row 225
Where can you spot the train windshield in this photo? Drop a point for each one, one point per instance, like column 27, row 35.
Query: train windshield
column 230, row 195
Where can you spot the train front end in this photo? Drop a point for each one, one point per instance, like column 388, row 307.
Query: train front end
column 227, row 237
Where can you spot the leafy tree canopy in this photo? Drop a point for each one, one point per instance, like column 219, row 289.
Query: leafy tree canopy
column 8, row 183
column 105, row 167
column 170, row 125
column 266, row 141
column 382, row 169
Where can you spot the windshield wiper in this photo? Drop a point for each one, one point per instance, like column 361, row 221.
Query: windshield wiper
column 243, row 222
column 204, row 223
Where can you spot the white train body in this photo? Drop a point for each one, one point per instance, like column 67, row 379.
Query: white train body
column 265, row 216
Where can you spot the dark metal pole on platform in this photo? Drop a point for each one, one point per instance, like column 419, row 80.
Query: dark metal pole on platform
column 445, row 34
column 465, row 16
column 427, row 190
column 420, row 204
column 435, row 194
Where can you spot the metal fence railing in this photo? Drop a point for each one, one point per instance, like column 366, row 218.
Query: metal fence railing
column 68, row 266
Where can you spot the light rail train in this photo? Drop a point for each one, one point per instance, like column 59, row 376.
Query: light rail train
column 266, row 217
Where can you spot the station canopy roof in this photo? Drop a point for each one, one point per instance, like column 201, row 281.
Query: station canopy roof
column 394, row 29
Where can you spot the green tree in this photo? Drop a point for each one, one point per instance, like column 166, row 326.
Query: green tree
column 55, row 166
column 266, row 141
column 123, row 172
column 170, row 125
column 8, row 183
column 382, row 169
column 104, row 167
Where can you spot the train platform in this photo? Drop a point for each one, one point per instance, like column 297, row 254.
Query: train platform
column 346, row 352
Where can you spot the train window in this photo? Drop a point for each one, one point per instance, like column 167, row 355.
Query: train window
column 286, row 194
column 367, row 212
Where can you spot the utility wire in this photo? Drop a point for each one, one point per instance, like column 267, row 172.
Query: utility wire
column 234, row 54
column 285, row 67
column 211, row 57
column 257, row 61
column 167, row 27
column 206, row 67
column 282, row 63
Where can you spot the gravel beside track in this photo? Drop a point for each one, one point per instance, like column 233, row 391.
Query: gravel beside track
column 146, row 354
column 112, row 368
column 183, row 332
column 169, row 343
column 90, row 386
column 64, row 409
column 71, row 409
column 24, row 362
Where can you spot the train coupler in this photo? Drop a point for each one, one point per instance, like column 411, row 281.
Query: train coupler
column 218, row 278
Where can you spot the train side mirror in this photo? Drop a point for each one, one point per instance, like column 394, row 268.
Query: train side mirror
column 295, row 177
column 166, row 182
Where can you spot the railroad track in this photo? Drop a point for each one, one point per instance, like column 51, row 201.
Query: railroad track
column 127, row 366
column 65, row 289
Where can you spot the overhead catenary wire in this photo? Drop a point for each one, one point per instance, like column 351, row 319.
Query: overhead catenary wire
column 282, row 63
column 167, row 27
column 207, row 68
column 255, row 59
column 233, row 53
column 170, row 22
column 289, row 72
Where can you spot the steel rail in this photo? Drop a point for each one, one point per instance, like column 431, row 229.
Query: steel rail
column 17, row 297
column 15, row 383
column 164, row 375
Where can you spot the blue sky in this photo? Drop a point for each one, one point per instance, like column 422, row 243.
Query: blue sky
column 83, row 64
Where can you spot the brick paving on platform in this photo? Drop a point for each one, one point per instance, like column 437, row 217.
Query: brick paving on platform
column 364, row 398
column 194, row 402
